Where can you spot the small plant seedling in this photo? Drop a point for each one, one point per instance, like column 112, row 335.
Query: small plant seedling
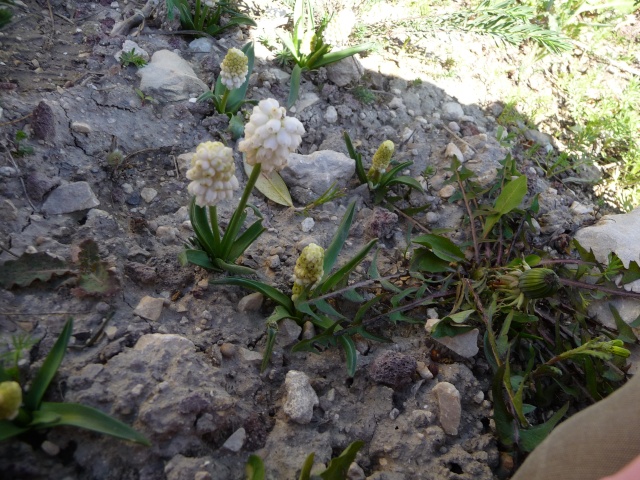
column 22, row 149
column 206, row 16
column 144, row 98
column 364, row 95
column 132, row 58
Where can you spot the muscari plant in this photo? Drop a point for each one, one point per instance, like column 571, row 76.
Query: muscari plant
column 229, row 91
column 382, row 174
column 308, row 46
column 21, row 412
column 205, row 16
column 270, row 136
column 316, row 286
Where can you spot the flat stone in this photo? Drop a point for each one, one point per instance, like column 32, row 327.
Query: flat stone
column 614, row 233
column 331, row 114
column 449, row 407
column 71, row 197
column 149, row 308
column 309, row 176
column 447, row 191
column 148, row 194
column 300, row 397
column 453, row 151
column 465, row 345
column 201, row 45
column 251, row 302
column 345, row 71
column 81, row 127
column 249, row 356
column 169, row 77
column 236, row 441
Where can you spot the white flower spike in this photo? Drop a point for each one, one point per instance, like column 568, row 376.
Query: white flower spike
column 234, row 69
column 212, row 173
column 270, row 136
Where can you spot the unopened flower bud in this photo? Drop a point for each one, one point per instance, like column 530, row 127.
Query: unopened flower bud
column 381, row 160
column 309, row 268
column 234, row 69
column 538, row 283
column 10, row 400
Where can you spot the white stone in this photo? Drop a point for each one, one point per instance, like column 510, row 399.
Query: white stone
column 80, row 127
column 148, row 194
column 169, row 77
column 201, row 45
column 331, row 114
column 50, row 448
column 149, row 308
column 236, row 441
column 71, row 197
column 580, row 209
column 453, row 151
column 447, row 191
column 307, row 224
column 251, row 302
column 300, row 398
column 449, row 407
column 452, row 111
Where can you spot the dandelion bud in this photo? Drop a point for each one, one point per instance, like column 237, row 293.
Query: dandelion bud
column 381, row 160
column 270, row 136
column 234, row 69
column 538, row 283
column 309, row 268
column 212, row 173
column 10, row 400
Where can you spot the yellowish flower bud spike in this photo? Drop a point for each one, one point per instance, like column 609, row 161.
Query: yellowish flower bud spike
column 234, row 69
column 10, row 400
column 212, row 173
column 380, row 161
column 309, row 269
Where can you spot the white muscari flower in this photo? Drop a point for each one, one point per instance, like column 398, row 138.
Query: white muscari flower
column 339, row 28
column 270, row 136
column 10, row 400
column 234, row 69
column 309, row 269
column 212, row 173
column 210, row 3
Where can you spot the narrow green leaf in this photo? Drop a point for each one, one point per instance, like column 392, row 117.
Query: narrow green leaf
column 247, row 237
column 625, row 332
column 305, row 472
column 202, row 229
column 512, row 195
column 197, row 257
column 272, row 332
column 233, row 268
column 532, row 437
column 255, row 468
column 446, row 328
column 332, row 252
column 405, row 180
column 505, row 425
column 441, row 246
column 352, row 295
column 9, row 430
column 90, row 418
column 339, row 466
column 272, row 187
column 267, row 290
column 489, row 223
column 295, row 86
column 631, row 274
column 343, row 273
column 49, row 368
column 364, row 308
column 347, row 52
column 424, row 260
column 350, row 352
column 362, row 175
column 326, row 308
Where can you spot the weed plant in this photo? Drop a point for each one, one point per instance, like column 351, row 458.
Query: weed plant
column 205, row 16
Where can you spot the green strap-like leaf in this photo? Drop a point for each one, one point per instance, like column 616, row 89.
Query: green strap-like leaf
column 255, row 468
column 202, row 229
column 267, row 290
column 233, row 268
column 295, row 86
column 350, row 352
column 272, row 187
column 249, row 236
column 90, row 418
column 305, row 472
column 197, row 257
column 272, row 332
column 49, row 368
column 347, row 52
column 9, row 430
column 332, row 252
column 339, row 466
column 343, row 273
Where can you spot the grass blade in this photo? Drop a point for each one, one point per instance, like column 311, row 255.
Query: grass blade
column 331, row 253
column 343, row 273
column 295, row 86
column 350, row 352
column 267, row 290
column 255, row 468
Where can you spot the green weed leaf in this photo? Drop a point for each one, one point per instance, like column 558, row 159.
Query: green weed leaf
column 332, row 252
column 442, row 247
column 339, row 466
column 532, row 437
column 255, row 468
column 31, row 267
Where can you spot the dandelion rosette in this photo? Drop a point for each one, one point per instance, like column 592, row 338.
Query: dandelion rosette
column 10, row 400
column 270, row 136
column 234, row 69
column 212, row 173
column 308, row 270
column 381, row 159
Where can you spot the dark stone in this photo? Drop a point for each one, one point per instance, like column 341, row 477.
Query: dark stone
column 134, row 199
column 382, row 223
column 392, row 369
column 38, row 185
column 140, row 273
column 42, row 122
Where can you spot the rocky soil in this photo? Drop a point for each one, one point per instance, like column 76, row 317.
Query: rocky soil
column 179, row 359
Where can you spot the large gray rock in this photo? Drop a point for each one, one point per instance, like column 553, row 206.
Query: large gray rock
column 300, row 397
column 169, row 77
column 449, row 407
column 309, row 176
column 345, row 71
column 71, row 197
